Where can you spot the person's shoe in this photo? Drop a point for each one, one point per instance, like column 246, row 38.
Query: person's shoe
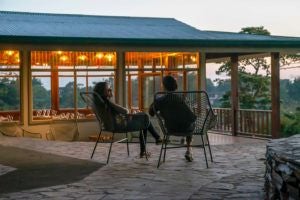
column 189, row 156
column 159, row 141
column 144, row 154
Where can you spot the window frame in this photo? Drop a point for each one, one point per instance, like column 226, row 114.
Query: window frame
column 54, row 85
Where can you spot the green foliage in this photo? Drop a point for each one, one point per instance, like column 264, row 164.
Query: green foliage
column 9, row 94
column 210, row 86
column 215, row 92
column 66, row 96
column 254, row 91
column 254, row 88
column 41, row 96
column 257, row 30
column 294, row 89
column 290, row 123
column 289, row 98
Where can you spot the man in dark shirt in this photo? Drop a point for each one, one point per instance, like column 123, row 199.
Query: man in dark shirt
column 176, row 113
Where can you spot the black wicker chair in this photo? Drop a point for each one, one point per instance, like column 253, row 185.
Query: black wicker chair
column 117, row 125
column 197, row 102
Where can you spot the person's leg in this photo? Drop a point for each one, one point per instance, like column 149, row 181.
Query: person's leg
column 154, row 133
column 143, row 142
column 189, row 154
column 139, row 121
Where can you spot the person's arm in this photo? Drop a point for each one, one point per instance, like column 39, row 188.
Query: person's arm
column 155, row 106
column 151, row 110
column 119, row 109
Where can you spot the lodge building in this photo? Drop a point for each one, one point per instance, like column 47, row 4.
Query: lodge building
column 46, row 60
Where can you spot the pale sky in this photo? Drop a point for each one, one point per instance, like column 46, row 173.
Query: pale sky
column 280, row 17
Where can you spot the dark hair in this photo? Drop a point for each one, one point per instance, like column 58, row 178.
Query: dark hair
column 170, row 83
column 100, row 87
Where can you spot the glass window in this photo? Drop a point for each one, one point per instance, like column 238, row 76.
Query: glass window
column 144, row 71
column 9, row 86
column 41, row 90
column 58, row 77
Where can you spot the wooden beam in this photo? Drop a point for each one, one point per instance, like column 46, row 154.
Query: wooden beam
column 25, row 110
column 234, row 62
column 54, row 88
column 202, row 71
column 275, row 95
column 140, row 64
column 120, row 79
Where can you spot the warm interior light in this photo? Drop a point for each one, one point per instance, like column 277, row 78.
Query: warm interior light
column 10, row 53
column 63, row 58
column 17, row 58
column 172, row 54
column 59, row 52
column 193, row 58
column 109, row 57
column 82, row 57
column 99, row 55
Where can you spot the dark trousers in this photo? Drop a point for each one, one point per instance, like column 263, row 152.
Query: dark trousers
column 142, row 121
column 153, row 133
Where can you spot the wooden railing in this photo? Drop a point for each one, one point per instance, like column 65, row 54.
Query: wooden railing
column 254, row 122
column 250, row 122
column 223, row 119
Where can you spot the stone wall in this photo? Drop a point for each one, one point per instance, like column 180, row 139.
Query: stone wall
column 282, row 178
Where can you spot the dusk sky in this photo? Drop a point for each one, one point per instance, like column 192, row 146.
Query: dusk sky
column 278, row 16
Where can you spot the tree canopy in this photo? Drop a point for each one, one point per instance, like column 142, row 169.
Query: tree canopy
column 254, row 83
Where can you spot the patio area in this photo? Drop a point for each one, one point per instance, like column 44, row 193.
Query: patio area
column 237, row 171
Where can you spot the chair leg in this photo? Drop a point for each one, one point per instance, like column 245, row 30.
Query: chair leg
column 211, row 158
column 96, row 143
column 204, row 150
column 161, row 149
column 127, row 144
column 166, row 142
column 111, row 142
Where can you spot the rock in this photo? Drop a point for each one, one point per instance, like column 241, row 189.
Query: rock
column 282, row 177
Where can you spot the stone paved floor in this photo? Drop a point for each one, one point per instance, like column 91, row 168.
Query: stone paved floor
column 237, row 172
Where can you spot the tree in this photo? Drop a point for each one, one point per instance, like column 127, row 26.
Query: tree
column 9, row 94
column 294, row 89
column 254, row 86
column 41, row 96
column 66, row 96
column 290, row 123
column 256, row 30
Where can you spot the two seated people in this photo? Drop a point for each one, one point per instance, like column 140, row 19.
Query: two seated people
column 177, row 115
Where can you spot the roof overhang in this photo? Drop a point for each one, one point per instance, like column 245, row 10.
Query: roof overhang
column 291, row 44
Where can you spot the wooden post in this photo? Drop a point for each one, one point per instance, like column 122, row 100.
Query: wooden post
column 234, row 63
column 140, row 63
column 202, row 71
column 54, row 89
column 120, row 79
column 275, row 95
column 24, row 88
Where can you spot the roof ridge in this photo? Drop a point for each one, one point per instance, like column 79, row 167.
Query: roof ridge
column 278, row 36
column 79, row 15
